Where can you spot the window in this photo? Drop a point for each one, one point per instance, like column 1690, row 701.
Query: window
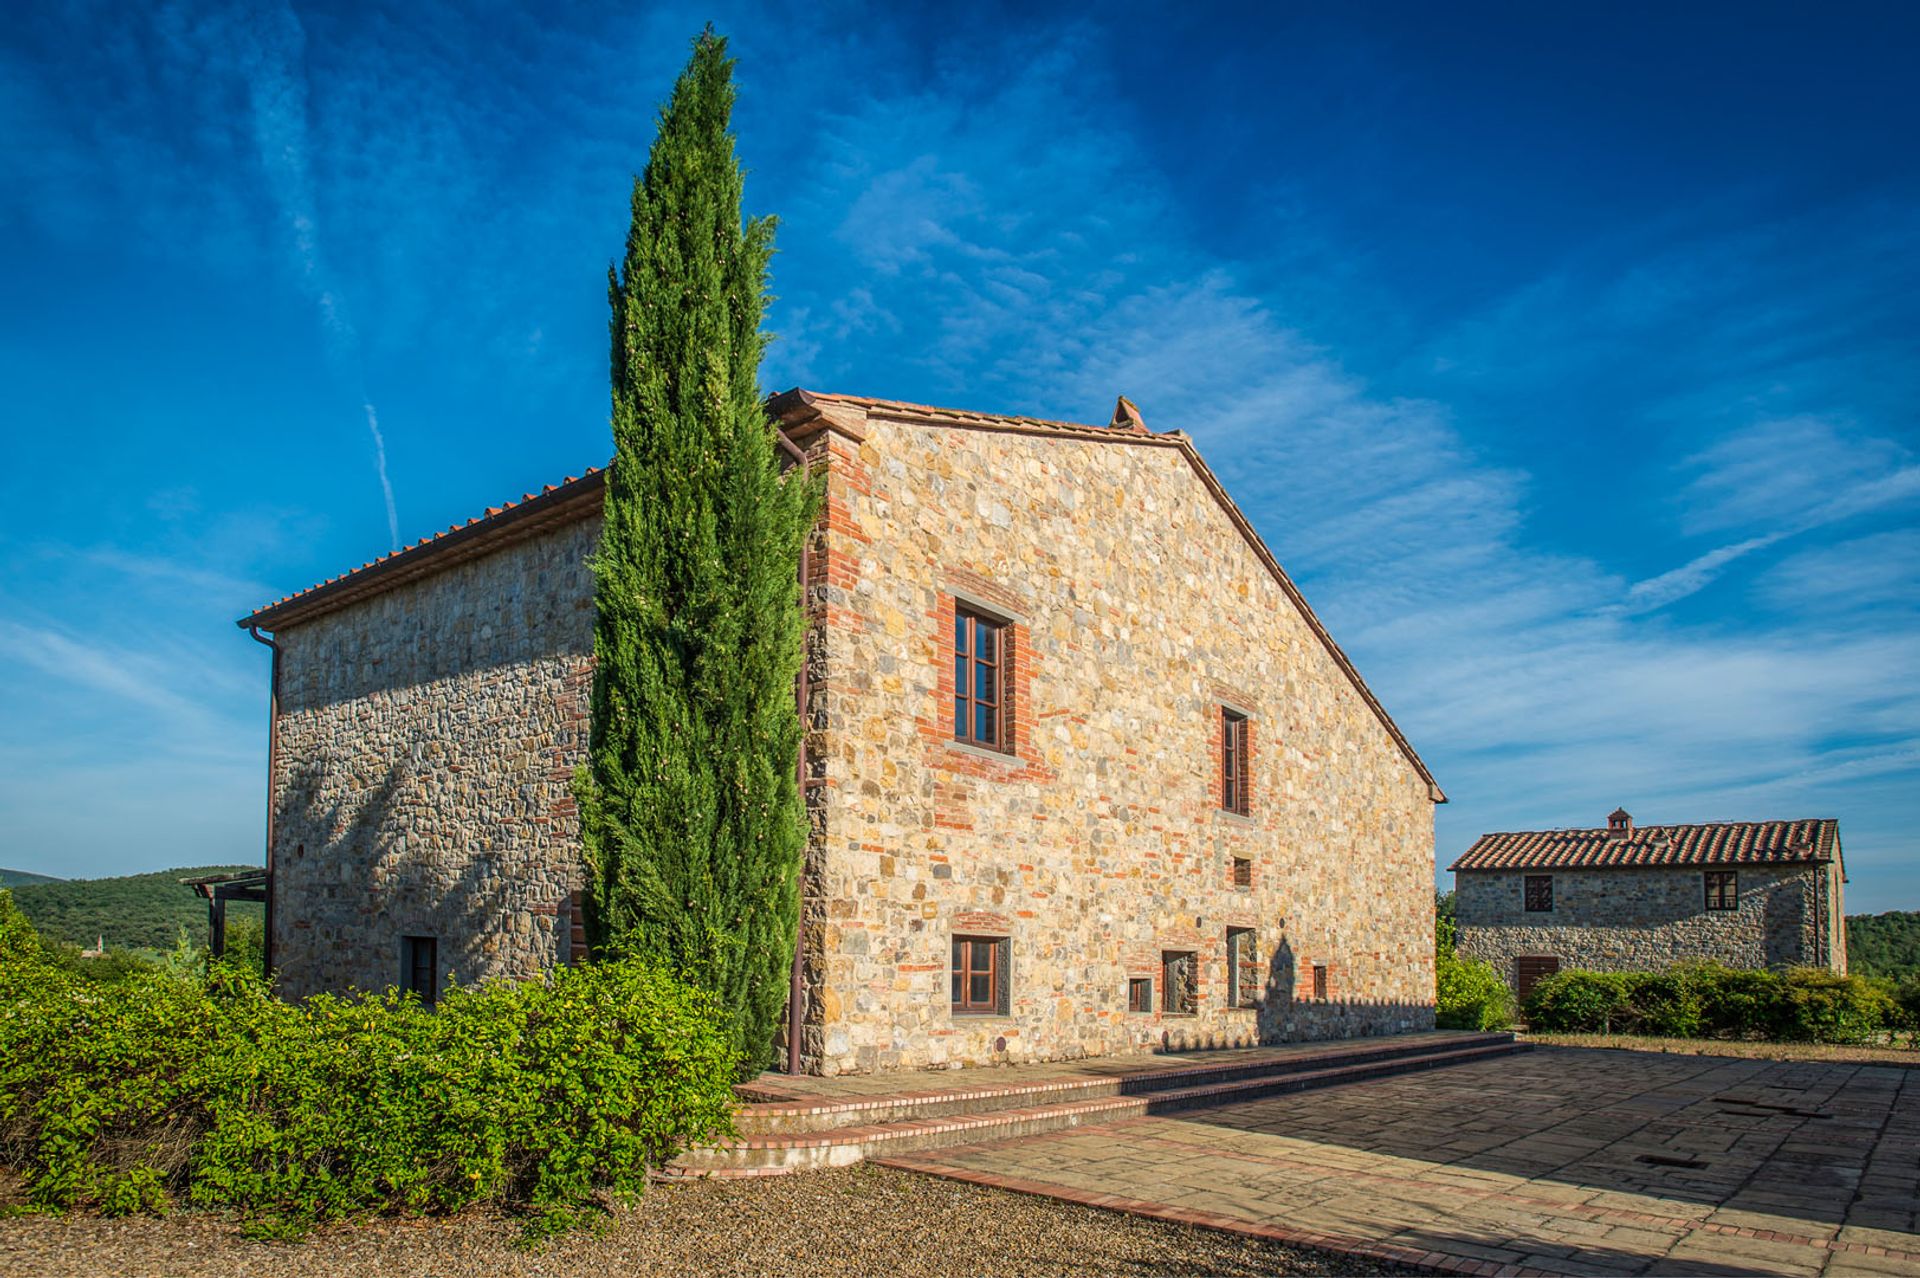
column 1320, row 981
column 1723, row 890
column 1179, row 983
column 1243, row 872
column 980, row 975
column 1539, row 893
column 1233, row 761
column 420, row 967
column 1243, row 983
column 979, row 678
column 1140, row 994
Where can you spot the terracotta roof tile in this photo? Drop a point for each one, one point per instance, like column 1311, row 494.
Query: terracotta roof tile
column 1719, row 843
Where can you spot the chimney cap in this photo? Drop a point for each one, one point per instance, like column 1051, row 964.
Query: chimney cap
column 1127, row 417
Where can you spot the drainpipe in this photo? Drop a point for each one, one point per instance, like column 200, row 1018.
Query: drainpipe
column 801, row 705
column 273, row 759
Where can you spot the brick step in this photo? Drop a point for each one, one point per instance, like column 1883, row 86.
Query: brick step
column 788, row 1117
column 778, row 1154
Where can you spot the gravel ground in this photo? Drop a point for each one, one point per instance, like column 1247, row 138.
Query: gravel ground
column 860, row 1220
column 1906, row 1056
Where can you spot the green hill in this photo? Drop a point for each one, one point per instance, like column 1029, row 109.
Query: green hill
column 1884, row 944
column 20, row 878
column 134, row 911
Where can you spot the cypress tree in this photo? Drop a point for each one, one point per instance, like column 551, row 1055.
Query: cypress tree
column 691, row 817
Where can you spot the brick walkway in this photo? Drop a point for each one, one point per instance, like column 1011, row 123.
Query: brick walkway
column 1560, row 1160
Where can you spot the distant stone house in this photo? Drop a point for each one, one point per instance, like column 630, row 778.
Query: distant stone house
column 1745, row 893
column 1086, row 774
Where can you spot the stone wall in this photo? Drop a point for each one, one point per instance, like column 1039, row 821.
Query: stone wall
column 1097, row 843
column 427, row 741
column 1647, row 918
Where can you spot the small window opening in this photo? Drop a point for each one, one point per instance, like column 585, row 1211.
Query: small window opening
column 1723, row 890
column 1243, row 872
column 1179, row 982
column 1243, row 984
column 1539, row 893
column 420, row 967
column 980, row 975
column 1320, row 981
column 1140, row 994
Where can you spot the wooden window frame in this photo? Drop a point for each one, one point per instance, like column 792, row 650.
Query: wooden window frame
column 1727, row 898
column 417, row 977
column 1322, row 981
column 1170, row 988
column 1242, row 978
column 1234, row 780
column 964, row 651
column 1140, row 995
column 1527, row 883
column 963, row 953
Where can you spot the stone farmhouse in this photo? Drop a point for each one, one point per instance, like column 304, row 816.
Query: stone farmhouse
column 1086, row 773
column 1745, row 893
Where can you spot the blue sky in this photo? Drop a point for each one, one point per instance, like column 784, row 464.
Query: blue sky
column 1565, row 356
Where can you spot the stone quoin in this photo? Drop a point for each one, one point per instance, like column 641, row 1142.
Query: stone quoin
column 1181, row 818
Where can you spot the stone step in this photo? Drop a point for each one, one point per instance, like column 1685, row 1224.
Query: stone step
column 787, row 1117
column 780, row 1153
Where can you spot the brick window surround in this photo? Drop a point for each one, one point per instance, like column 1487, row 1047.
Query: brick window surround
column 420, row 967
column 1234, row 763
column 1179, row 982
column 1243, row 980
column 980, row 975
column 1140, row 994
column 1723, row 890
column 1538, row 893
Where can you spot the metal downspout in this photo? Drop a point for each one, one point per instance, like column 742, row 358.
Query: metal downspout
column 801, row 703
column 273, row 759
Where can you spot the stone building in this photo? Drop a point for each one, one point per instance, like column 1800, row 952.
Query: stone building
column 1744, row 893
column 1086, row 773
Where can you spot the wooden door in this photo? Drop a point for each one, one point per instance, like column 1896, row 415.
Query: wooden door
column 1533, row 970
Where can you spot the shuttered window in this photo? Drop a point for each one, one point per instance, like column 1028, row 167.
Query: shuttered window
column 1233, row 762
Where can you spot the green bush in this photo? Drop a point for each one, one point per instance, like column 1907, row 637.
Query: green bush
column 1665, row 1004
column 1470, row 995
column 1736, row 1002
column 1819, row 1007
column 538, row 1096
column 1697, row 1000
column 1576, row 1002
column 1906, row 997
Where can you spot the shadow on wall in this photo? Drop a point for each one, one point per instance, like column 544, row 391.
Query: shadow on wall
column 357, row 871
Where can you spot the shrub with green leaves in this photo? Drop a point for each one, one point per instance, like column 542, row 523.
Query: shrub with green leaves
column 540, row 1096
column 1818, row 1006
column 1469, row 994
column 1579, row 1002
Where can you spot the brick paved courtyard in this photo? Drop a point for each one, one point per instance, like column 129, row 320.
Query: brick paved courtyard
column 1560, row 1160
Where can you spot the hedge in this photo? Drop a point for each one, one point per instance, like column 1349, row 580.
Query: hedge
column 543, row 1097
column 1707, row 1000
